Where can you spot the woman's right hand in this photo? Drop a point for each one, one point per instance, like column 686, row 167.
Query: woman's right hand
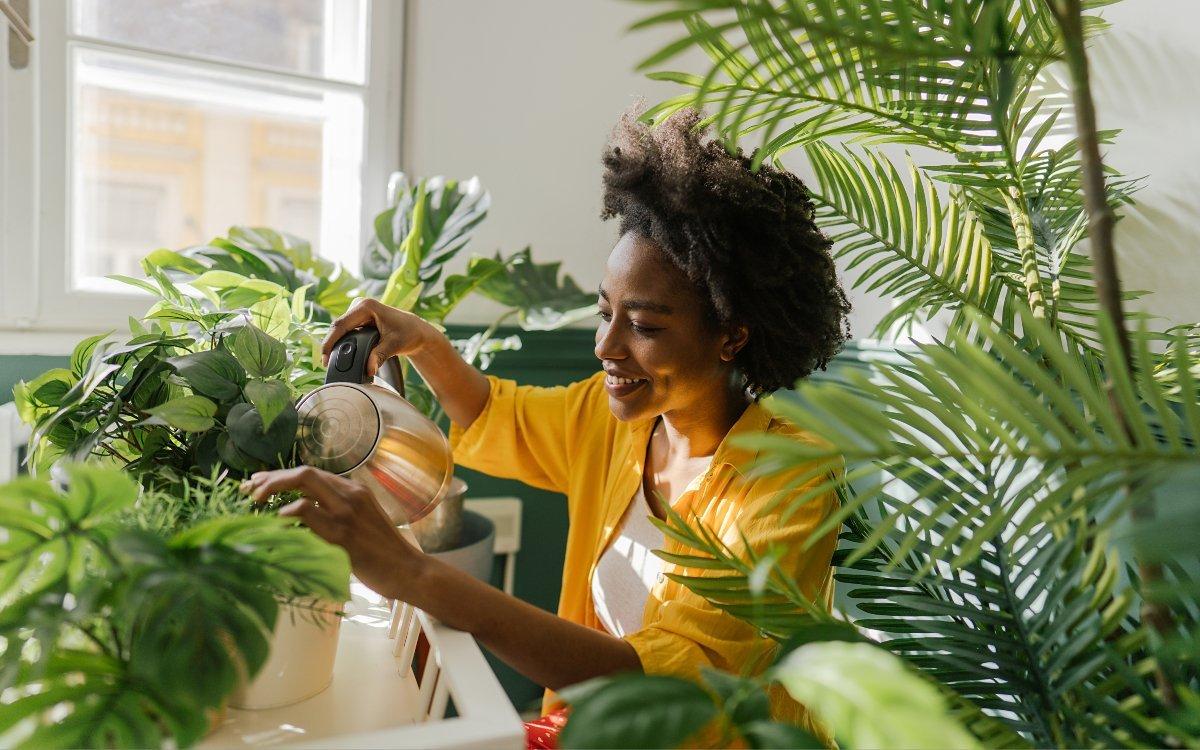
column 400, row 332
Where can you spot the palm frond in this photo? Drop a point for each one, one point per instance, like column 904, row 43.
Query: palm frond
column 943, row 75
column 944, row 422
column 746, row 583
column 1033, row 630
column 927, row 254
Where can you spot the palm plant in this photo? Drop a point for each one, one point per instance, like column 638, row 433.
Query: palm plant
column 992, row 479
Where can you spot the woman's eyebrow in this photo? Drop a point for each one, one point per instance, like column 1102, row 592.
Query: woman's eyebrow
column 640, row 304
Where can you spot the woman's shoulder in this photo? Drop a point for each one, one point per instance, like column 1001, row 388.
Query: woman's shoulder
column 772, row 455
column 762, row 433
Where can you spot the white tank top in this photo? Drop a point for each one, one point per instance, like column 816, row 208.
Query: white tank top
column 627, row 570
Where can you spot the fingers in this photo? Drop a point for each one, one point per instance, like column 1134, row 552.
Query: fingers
column 362, row 312
column 312, row 516
column 320, row 486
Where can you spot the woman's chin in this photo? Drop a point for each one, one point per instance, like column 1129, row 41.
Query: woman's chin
column 629, row 410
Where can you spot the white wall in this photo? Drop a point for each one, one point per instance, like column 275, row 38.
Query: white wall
column 1146, row 81
column 523, row 93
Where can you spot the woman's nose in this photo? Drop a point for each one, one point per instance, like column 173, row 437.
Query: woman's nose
column 608, row 343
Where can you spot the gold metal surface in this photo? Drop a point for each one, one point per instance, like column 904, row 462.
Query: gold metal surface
column 371, row 434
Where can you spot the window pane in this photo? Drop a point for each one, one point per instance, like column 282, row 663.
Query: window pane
column 317, row 37
column 168, row 157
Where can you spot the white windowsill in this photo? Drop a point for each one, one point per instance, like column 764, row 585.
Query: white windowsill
column 36, row 341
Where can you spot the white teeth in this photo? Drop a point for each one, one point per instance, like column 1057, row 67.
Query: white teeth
column 614, row 380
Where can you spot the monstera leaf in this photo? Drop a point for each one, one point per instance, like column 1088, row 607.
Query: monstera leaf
column 541, row 300
column 50, row 536
column 130, row 632
column 105, row 707
column 427, row 225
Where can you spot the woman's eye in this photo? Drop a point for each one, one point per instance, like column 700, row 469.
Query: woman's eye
column 645, row 330
column 605, row 316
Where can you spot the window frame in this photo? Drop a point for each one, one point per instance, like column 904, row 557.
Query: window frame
column 39, row 311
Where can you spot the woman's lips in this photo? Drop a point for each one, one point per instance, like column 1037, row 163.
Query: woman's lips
column 621, row 387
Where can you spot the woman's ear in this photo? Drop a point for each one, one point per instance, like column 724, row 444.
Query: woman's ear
column 735, row 339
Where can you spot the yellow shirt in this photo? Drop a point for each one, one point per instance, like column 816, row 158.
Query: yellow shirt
column 566, row 440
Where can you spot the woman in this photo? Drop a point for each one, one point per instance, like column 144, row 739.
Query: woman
column 721, row 289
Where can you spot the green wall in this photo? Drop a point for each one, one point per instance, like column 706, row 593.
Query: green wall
column 546, row 358
column 23, row 367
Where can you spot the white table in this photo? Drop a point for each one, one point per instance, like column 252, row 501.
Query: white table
column 375, row 701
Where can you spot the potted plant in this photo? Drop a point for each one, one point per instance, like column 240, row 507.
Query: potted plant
column 130, row 615
column 998, row 505
column 201, row 392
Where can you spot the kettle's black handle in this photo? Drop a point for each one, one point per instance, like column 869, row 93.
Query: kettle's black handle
column 348, row 360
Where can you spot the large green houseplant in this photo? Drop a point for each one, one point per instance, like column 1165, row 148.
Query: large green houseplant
column 210, row 375
column 998, row 515
column 129, row 616
column 139, row 589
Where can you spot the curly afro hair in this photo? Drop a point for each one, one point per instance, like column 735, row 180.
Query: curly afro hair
column 747, row 240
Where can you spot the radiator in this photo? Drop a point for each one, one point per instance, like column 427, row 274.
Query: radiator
column 14, row 436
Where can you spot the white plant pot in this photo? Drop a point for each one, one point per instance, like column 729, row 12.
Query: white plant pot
column 300, row 664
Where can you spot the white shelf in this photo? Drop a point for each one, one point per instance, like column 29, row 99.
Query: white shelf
column 375, row 701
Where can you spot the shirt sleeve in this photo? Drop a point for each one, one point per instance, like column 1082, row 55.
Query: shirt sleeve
column 524, row 432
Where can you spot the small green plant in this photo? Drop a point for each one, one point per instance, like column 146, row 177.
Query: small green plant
column 128, row 623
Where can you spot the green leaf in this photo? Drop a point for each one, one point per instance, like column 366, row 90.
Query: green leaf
column 170, row 260
column 270, row 398
column 768, row 735
column 272, row 446
column 187, row 413
column 450, row 210
column 214, row 373
column 820, row 632
column 273, row 316
column 218, row 280
column 542, row 301
column 638, row 711
column 868, row 698
column 261, row 354
column 456, row 287
column 43, row 395
column 50, row 536
column 404, row 284
column 743, row 700
column 81, row 356
column 95, row 704
column 199, row 618
column 296, row 562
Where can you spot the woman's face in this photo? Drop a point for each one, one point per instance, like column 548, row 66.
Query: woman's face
column 655, row 341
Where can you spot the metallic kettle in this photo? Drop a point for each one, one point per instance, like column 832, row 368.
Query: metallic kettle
column 367, row 431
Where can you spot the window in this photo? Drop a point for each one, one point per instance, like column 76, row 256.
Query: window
column 139, row 124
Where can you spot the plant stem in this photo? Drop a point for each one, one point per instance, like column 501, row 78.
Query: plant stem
column 475, row 350
column 1023, row 229
column 1069, row 15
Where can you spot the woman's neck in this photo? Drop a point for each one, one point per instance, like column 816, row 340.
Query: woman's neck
column 697, row 431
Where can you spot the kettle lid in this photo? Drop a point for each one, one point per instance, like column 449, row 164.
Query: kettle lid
column 340, row 427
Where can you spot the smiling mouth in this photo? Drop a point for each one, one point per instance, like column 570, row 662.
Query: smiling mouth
column 622, row 386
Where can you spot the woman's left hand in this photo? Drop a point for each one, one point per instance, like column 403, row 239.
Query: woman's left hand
column 344, row 512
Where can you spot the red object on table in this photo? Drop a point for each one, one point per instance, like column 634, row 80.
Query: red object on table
column 542, row 734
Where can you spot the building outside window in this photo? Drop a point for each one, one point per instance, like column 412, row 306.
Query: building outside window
column 152, row 124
